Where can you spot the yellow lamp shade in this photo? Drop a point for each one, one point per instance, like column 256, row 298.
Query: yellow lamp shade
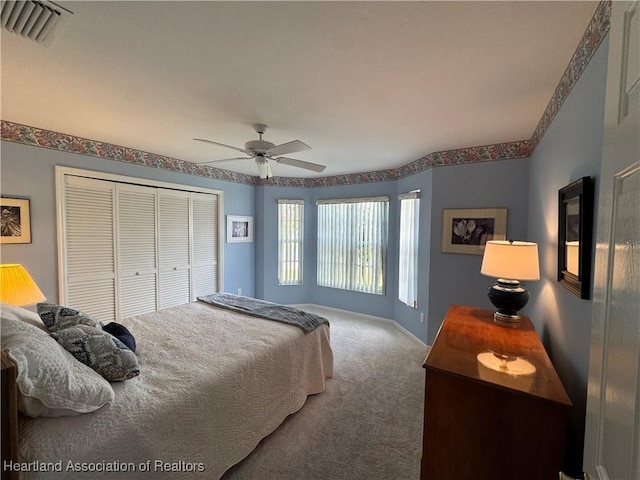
column 17, row 287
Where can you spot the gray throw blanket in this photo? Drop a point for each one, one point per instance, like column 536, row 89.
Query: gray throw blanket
column 263, row 309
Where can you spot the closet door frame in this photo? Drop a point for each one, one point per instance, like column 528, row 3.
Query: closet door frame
column 62, row 172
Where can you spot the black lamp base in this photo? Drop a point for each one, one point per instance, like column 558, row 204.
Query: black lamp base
column 508, row 297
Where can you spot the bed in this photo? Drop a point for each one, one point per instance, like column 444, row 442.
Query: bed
column 212, row 384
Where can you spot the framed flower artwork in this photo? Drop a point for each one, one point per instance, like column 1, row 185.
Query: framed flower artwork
column 467, row 230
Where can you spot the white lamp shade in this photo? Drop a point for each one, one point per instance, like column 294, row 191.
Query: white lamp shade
column 17, row 287
column 511, row 260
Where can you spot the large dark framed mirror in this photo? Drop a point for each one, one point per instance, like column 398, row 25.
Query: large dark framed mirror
column 575, row 221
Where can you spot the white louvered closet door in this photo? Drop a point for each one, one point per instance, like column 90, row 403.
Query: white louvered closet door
column 173, row 247
column 137, row 259
column 204, row 265
column 89, row 240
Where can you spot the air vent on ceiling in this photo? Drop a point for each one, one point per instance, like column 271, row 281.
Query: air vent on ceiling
column 36, row 20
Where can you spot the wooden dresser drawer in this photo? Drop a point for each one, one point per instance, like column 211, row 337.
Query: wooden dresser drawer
column 494, row 405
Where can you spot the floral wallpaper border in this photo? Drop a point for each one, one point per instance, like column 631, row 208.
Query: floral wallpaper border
column 591, row 40
column 593, row 36
column 37, row 137
column 486, row 153
column 15, row 132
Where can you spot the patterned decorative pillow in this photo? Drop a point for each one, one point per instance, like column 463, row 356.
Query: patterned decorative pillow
column 99, row 350
column 51, row 382
column 57, row 317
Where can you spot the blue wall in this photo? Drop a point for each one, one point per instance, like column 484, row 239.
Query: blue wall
column 267, row 246
column 30, row 172
column 443, row 279
column 267, row 250
column 571, row 149
column 406, row 316
column 456, row 278
column 252, row 267
column 379, row 305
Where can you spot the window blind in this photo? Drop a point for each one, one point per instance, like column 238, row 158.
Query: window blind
column 408, row 249
column 352, row 243
column 290, row 241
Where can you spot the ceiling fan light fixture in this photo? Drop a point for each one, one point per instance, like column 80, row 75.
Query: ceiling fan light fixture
column 261, row 151
column 263, row 169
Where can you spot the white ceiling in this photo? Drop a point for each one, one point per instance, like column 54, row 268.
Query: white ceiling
column 368, row 85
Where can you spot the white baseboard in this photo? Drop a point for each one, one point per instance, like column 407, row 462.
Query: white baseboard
column 368, row 317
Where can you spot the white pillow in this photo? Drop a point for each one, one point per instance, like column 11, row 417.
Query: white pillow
column 22, row 314
column 51, row 382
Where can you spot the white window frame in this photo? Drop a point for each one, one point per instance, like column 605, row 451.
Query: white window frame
column 352, row 243
column 408, row 242
column 290, row 242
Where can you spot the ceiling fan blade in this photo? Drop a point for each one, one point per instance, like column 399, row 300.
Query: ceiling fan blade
column 220, row 144
column 289, row 147
column 225, row 160
column 301, row 164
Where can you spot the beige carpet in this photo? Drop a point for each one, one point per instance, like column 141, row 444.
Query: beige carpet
column 367, row 425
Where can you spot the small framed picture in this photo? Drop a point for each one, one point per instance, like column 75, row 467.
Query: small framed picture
column 15, row 223
column 467, row 230
column 239, row 229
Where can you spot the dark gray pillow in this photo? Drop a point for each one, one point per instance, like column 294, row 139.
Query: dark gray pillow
column 57, row 317
column 99, row 350
column 122, row 333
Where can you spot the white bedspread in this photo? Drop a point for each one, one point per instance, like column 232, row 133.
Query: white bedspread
column 213, row 383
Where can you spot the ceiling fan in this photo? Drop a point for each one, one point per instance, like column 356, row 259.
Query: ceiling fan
column 262, row 151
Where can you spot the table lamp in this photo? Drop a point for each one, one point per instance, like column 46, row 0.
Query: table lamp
column 17, row 287
column 509, row 262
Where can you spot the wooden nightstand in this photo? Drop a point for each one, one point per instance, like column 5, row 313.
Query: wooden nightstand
column 482, row 422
